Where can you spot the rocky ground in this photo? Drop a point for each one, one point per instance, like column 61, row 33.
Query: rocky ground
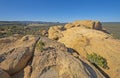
column 62, row 55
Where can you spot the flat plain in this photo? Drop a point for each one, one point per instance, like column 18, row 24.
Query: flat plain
column 113, row 28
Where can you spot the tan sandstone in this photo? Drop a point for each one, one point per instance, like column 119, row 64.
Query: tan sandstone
column 55, row 32
column 15, row 54
column 86, row 41
column 85, row 23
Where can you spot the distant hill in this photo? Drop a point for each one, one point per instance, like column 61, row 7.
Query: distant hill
column 6, row 23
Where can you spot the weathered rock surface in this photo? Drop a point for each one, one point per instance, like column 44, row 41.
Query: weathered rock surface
column 16, row 60
column 16, row 54
column 4, row 74
column 56, row 62
column 85, row 23
column 86, row 41
column 55, row 32
column 21, row 58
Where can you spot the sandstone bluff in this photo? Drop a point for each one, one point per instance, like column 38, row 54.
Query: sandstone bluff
column 63, row 54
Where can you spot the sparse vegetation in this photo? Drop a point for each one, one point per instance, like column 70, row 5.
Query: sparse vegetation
column 88, row 27
column 11, row 28
column 40, row 45
column 97, row 60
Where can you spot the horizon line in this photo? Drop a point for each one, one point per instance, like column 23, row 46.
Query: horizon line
column 45, row 21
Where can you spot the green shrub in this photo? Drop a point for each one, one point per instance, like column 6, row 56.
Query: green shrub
column 97, row 60
column 40, row 45
column 88, row 27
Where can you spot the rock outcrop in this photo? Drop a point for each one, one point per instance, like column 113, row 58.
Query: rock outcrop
column 23, row 59
column 15, row 53
column 61, row 56
column 56, row 62
column 87, row 41
column 85, row 23
column 84, row 37
column 55, row 32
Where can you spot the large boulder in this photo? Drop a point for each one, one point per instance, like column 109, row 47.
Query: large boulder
column 55, row 32
column 56, row 62
column 15, row 54
column 85, row 23
column 87, row 41
column 16, row 60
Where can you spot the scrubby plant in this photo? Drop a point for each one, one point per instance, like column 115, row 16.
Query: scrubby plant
column 97, row 60
column 40, row 45
column 88, row 27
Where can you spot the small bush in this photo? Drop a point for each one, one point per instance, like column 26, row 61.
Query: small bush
column 97, row 60
column 40, row 45
column 88, row 27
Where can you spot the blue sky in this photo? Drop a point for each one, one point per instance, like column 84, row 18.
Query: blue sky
column 59, row 10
